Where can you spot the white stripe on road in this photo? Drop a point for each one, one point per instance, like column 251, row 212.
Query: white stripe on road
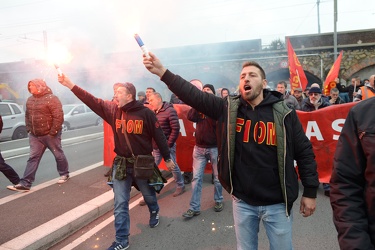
column 20, row 152
column 100, row 226
column 47, row 184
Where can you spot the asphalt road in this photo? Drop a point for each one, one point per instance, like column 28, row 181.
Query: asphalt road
column 208, row 231
column 82, row 147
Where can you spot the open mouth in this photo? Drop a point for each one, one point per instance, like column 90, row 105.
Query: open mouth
column 247, row 87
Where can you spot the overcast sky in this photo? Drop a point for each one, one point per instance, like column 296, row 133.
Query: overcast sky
column 106, row 26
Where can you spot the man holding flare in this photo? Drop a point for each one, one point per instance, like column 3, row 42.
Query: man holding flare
column 126, row 115
column 259, row 137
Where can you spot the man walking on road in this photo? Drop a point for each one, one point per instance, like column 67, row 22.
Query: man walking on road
column 205, row 150
column 127, row 115
column 44, row 118
column 7, row 170
column 169, row 123
column 259, row 137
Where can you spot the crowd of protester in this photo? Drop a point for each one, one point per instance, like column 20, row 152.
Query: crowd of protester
column 210, row 109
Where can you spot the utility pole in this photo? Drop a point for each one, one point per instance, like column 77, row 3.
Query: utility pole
column 317, row 4
column 335, row 30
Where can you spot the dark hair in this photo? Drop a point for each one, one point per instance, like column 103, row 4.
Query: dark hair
column 151, row 88
column 255, row 64
column 282, row 82
column 223, row 89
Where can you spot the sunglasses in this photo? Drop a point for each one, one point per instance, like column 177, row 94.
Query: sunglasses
column 314, row 94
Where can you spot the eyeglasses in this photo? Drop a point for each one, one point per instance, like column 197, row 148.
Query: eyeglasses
column 314, row 94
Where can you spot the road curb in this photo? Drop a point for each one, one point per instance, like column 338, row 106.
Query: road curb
column 55, row 230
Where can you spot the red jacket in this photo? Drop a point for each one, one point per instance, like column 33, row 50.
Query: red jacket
column 44, row 114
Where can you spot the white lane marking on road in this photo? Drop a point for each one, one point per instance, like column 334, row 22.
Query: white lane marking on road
column 102, row 225
column 48, row 183
column 63, row 142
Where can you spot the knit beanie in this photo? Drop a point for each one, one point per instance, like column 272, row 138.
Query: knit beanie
column 210, row 86
column 315, row 90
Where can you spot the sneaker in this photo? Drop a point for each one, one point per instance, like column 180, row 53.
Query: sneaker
column 118, row 246
column 190, row 213
column 179, row 191
column 218, row 206
column 109, row 172
column 19, row 187
column 154, row 219
column 188, row 176
column 63, row 179
column 142, row 202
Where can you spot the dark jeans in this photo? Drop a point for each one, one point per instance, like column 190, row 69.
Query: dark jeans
column 39, row 144
column 8, row 171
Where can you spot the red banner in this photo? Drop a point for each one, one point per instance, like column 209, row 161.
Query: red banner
column 322, row 127
column 330, row 82
column 297, row 75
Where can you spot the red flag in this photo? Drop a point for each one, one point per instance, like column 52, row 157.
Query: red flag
column 297, row 75
column 330, row 82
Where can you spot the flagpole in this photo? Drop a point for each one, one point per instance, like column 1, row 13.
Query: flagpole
column 299, row 79
column 355, row 88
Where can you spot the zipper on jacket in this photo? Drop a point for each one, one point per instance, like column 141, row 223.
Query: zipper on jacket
column 285, row 193
column 363, row 133
column 228, row 143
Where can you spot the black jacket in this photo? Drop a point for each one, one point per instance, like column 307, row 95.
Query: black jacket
column 307, row 106
column 138, row 121
column 292, row 142
column 205, row 131
column 353, row 179
column 349, row 89
column 169, row 123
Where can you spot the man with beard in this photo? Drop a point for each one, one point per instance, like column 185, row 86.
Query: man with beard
column 258, row 138
column 126, row 115
column 315, row 100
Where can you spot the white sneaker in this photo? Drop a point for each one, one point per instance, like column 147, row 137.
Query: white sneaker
column 63, row 179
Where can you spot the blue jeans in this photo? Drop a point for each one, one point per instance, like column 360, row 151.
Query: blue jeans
column 200, row 158
column 246, row 221
column 38, row 145
column 121, row 189
column 176, row 172
column 326, row 187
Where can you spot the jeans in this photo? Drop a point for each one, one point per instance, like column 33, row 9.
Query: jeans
column 121, row 189
column 246, row 221
column 8, row 171
column 176, row 172
column 38, row 145
column 200, row 158
column 326, row 186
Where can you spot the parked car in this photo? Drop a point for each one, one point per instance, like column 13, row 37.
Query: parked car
column 79, row 116
column 14, row 121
